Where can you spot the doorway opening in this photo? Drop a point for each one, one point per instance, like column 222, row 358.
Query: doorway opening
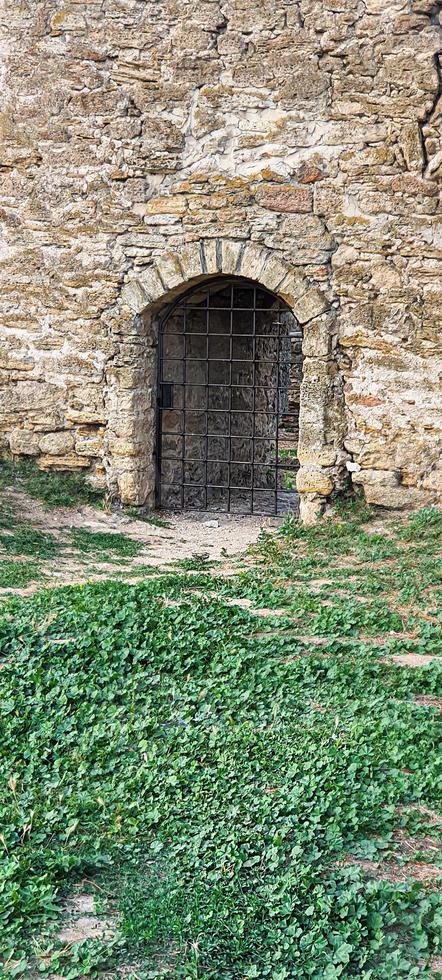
column 229, row 378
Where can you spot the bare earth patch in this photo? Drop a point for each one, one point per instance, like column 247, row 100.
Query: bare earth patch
column 80, row 924
column 429, row 701
column 396, row 872
column 217, row 536
column 431, row 816
column 410, row 847
column 413, row 659
column 86, row 927
column 189, row 532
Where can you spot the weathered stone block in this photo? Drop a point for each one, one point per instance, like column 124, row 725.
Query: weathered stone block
column 231, row 257
column 56, row 443
column 273, row 272
column 133, row 446
column 411, row 145
column 412, row 184
column 127, row 377
column 175, row 204
column 382, row 478
column 309, row 305
column 212, row 256
column 86, row 405
column 311, row 479
column 68, row 462
column 89, row 443
column 134, row 487
column 13, row 361
column 252, row 261
column 382, row 488
column 151, row 284
column 317, row 376
column 433, row 480
column 310, row 510
column 190, row 261
column 169, row 270
column 317, row 338
column 23, row 442
column 317, row 456
column 293, row 286
column 284, row 198
column 134, row 296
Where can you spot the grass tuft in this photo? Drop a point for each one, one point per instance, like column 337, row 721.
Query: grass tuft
column 427, row 522
column 52, row 489
column 101, row 541
column 138, row 514
column 27, row 540
column 18, row 574
column 196, row 563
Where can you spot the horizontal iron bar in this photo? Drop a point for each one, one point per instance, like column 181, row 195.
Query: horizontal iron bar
column 230, row 462
column 221, row 411
column 217, row 435
column 217, row 384
column 230, row 309
column 235, row 333
column 219, row 360
column 225, row 486
column 235, row 387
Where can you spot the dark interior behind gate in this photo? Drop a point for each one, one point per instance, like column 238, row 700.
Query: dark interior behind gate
column 230, row 368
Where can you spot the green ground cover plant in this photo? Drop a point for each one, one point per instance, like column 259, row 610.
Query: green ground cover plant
column 51, row 489
column 18, row 574
column 101, row 541
column 20, row 539
column 222, row 776
column 27, row 540
column 138, row 514
column 196, row 563
column 7, row 516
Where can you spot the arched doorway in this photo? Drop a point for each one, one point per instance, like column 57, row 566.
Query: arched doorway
column 229, row 376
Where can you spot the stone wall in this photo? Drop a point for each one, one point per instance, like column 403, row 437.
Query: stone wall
column 132, row 129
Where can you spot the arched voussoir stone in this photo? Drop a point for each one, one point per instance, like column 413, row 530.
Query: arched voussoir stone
column 175, row 271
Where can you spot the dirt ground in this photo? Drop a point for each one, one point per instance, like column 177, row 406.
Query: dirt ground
column 188, row 533
column 218, row 537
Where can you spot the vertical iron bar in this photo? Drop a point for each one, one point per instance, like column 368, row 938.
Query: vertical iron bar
column 159, row 420
column 278, row 353
column 252, row 509
column 229, row 464
column 207, row 391
column 183, row 428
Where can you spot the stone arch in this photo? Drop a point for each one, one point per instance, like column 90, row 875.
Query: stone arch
column 175, row 271
column 132, row 380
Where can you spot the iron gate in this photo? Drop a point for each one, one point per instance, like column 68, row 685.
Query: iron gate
column 229, row 372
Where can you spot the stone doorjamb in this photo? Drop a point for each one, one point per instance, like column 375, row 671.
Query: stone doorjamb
column 132, row 376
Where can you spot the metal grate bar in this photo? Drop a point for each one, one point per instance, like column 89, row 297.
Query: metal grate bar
column 224, row 486
column 251, row 379
column 234, row 462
